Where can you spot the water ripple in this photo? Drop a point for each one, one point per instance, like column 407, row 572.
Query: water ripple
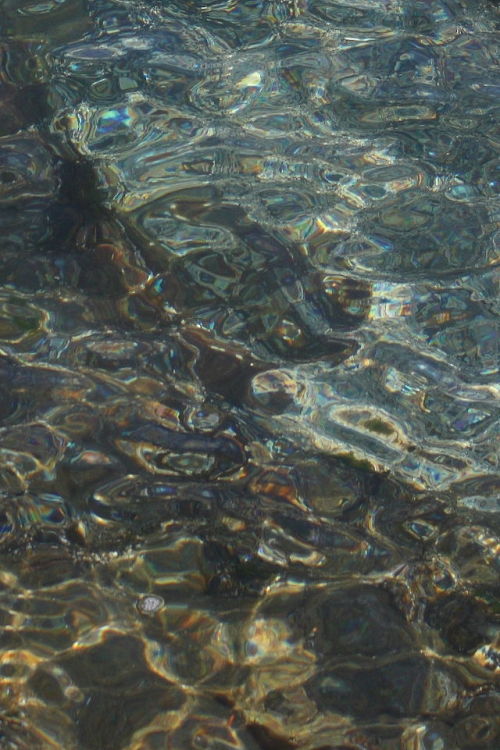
column 249, row 374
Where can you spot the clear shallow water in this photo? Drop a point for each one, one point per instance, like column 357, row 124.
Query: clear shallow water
column 248, row 365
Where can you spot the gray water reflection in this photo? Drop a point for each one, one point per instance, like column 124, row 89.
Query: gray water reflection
column 248, row 375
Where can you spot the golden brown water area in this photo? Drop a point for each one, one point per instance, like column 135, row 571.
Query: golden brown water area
column 248, row 375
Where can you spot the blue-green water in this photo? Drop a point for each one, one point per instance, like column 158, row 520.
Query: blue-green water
column 248, row 375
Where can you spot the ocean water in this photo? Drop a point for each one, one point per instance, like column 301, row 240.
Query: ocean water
column 249, row 375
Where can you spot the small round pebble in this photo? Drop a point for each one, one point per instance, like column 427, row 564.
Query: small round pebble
column 150, row 604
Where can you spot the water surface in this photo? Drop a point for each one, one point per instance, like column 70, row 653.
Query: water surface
column 248, row 375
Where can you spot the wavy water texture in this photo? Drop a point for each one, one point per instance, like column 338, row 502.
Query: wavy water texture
column 248, row 375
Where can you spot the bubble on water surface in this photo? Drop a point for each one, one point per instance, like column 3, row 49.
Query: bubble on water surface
column 150, row 604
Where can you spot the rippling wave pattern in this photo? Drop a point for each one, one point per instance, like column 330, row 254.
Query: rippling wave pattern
column 248, row 375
